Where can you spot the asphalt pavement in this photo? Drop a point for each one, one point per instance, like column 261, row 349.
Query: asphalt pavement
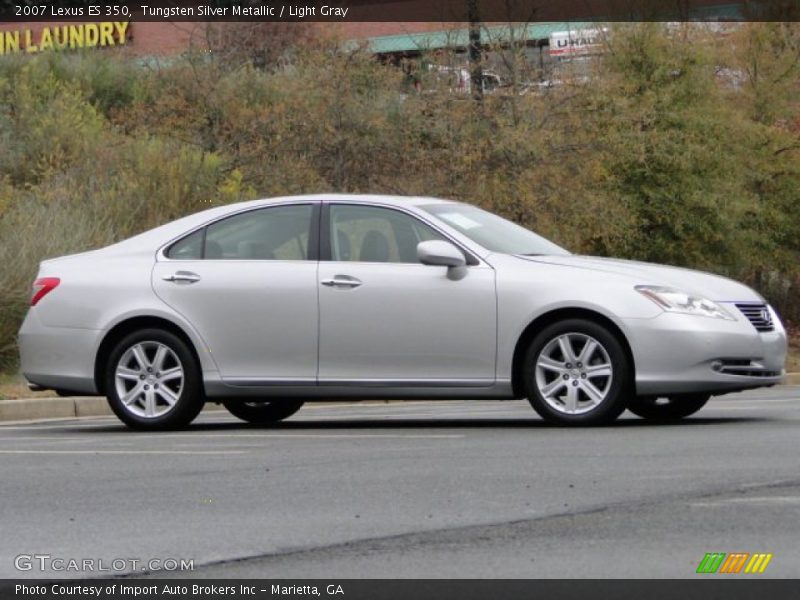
column 425, row 489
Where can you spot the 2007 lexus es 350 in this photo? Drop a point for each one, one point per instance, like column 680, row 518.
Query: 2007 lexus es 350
column 267, row 304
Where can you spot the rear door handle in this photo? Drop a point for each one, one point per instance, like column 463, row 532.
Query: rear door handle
column 182, row 277
column 344, row 281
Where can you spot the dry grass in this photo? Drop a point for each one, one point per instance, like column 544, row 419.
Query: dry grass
column 793, row 360
column 13, row 386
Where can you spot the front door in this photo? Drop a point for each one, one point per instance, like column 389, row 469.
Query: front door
column 387, row 319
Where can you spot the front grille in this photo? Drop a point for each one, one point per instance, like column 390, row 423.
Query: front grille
column 758, row 314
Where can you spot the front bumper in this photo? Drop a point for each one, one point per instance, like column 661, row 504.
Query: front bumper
column 59, row 358
column 675, row 354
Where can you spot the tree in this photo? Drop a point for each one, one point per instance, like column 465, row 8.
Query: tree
column 475, row 54
column 264, row 45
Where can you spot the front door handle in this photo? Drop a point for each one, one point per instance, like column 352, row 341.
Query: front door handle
column 344, row 281
column 182, row 277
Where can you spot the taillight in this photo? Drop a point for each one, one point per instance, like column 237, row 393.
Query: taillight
column 42, row 287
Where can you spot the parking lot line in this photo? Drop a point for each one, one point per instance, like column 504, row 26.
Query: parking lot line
column 136, row 452
column 308, row 435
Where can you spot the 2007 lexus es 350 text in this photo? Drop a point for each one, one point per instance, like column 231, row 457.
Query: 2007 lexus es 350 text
column 268, row 304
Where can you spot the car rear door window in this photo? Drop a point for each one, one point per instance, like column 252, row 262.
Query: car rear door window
column 275, row 233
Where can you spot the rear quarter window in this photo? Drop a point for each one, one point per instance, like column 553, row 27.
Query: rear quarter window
column 187, row 248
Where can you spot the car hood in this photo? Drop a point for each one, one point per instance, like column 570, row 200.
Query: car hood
column 713, row 287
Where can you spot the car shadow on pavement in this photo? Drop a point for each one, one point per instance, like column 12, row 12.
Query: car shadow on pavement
column 450, row 423
column 480, row 423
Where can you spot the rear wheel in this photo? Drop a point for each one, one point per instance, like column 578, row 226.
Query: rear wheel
column 576, row 373
column 262, row 413
column 665, row 409
column 153, row 381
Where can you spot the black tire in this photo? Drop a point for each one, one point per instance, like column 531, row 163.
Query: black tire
column 615, row 387
column 188, row 392
column 667, row 409
column 262, row 412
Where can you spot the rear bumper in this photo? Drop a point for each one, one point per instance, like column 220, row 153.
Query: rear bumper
column 677, row 354
column 59, row 358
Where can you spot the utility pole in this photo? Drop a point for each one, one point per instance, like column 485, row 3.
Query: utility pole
column 475, row 58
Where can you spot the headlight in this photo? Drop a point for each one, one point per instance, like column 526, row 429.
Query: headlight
column 676, row 301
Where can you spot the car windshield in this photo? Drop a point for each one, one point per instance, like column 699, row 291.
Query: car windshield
column 492, row 232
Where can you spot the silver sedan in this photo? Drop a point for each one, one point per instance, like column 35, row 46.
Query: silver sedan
column 264, row 305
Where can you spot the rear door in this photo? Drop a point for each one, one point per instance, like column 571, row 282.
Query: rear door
column 248, row 284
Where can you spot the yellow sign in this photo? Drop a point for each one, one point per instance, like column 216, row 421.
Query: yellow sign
column 62, row 37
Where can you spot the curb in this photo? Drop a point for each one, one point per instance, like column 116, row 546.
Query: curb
column 34, row 409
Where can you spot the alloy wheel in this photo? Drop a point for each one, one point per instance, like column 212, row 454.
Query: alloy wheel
column 149, row 379
column 574, row 373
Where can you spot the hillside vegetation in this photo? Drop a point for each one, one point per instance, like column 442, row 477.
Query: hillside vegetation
column 679, row 147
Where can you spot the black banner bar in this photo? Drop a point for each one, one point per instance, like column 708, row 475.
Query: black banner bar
column 399, row 10
column 705, row 588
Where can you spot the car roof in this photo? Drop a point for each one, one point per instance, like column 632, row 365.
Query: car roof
column 388, row 199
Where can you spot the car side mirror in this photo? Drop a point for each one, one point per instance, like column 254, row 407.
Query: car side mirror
column 440, row 253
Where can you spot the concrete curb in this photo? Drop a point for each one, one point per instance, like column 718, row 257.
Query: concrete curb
column 33, row 409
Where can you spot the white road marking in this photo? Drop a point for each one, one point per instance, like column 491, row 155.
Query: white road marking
column 99, row 422
column 752, row 500
column 770, row 483
column 228, row 446
column 744, row 407
column 43, row 438
column 123, row 452
column 306, row 435
column 754, row 401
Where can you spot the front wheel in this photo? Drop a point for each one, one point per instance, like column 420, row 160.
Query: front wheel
column 262, row 413
column 577, row 373
column 667, row 409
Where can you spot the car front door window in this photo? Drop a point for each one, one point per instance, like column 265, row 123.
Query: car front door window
column 375, row 234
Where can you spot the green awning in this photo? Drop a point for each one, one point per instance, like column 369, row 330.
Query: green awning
column 459, row 38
